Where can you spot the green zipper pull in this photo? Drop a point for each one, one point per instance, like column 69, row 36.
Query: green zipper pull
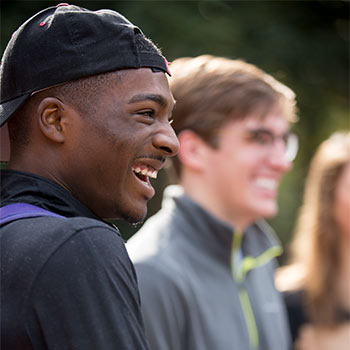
column 238, row 274
column 249, row 318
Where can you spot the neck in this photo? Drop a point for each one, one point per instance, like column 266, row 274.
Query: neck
column 209, row 200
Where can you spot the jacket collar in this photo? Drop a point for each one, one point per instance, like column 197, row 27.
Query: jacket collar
column 212, row 235
column 18, row 186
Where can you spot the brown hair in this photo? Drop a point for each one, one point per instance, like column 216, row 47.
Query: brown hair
column 315, row 247
column 211, row 91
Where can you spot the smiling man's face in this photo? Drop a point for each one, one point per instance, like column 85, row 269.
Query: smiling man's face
column 243, row 173
column 113, row 153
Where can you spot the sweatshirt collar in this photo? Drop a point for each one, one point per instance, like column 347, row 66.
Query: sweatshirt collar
column 18, row 186
column 209, row 233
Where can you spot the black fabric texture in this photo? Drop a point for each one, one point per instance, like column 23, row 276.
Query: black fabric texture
column 297, row 311
column 66, row 283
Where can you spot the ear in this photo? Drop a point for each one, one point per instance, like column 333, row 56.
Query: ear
column 193, row 150
column 52, row 112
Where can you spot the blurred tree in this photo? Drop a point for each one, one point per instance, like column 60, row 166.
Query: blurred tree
column 305, row 44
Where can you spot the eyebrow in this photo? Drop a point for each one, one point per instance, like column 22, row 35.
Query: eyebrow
column 146, row 97
column 267, row 131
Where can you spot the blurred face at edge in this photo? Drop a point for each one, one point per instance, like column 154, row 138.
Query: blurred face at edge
column 245, row 170
column 114, row 153
column 341, row 207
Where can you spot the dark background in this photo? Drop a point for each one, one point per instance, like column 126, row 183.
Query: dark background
column 304, row 44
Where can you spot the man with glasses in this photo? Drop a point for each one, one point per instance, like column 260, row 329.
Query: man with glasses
column 205, row 263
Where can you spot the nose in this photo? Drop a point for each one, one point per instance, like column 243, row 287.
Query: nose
column 278, row 159
column 166, row 141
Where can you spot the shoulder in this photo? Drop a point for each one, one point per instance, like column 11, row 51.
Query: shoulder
column 91, row 248
column 165, row 294
column 91, row 260
column 53, row 231
column 157, row 260
column 88, row 240
column 152, row 238
column 93, row 231
column 46, row 241
column 162, row 277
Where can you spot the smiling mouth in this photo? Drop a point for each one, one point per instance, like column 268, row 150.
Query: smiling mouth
column 266, row 183
column 145, row 172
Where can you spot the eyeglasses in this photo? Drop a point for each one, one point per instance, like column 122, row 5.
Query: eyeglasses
column 267, row 138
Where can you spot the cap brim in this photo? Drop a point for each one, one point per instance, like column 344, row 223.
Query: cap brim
column 8, row 108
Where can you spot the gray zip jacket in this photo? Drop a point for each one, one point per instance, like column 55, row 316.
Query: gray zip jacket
column 204, row 286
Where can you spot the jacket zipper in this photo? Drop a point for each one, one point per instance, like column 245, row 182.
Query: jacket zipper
column 239, row 269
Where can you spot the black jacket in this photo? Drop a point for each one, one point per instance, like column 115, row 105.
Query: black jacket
column 66, row 283
column 297, row 309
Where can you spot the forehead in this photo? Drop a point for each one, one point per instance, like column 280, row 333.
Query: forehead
column 273, row 121
column 134, row 82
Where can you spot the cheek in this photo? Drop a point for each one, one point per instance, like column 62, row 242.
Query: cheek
column 342, row 202
column 233, row 160
column 342, row 211
column 103, row 161
column 232, row 173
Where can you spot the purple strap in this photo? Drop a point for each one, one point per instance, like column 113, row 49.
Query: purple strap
column 16, row 211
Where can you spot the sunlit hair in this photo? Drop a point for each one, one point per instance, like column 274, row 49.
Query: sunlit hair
column 315, row 249
column 212, row 91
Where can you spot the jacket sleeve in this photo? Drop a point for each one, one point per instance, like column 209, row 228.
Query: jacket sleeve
column 86, row 296
column 163, row 308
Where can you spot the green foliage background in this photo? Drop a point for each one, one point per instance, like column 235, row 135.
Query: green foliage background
column 305, row 44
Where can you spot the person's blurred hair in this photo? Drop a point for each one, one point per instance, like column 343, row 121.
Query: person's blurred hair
column 315, row 248
column 212, row 91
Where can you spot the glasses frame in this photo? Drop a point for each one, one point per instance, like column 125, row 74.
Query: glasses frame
column 266, row 137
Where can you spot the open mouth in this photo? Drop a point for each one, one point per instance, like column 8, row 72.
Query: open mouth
column 144, row 172
column 266, row 183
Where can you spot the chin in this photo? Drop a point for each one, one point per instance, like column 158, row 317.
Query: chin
column 134, row 217
column 268, row 214
column 267, row 211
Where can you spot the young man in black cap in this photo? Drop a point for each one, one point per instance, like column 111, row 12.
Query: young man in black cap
column 87, row 105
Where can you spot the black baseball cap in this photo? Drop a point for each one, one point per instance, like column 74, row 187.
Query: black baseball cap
column 66, row 42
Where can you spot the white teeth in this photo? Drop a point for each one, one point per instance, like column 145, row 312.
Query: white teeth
column 151, row 173
column 269, row 184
